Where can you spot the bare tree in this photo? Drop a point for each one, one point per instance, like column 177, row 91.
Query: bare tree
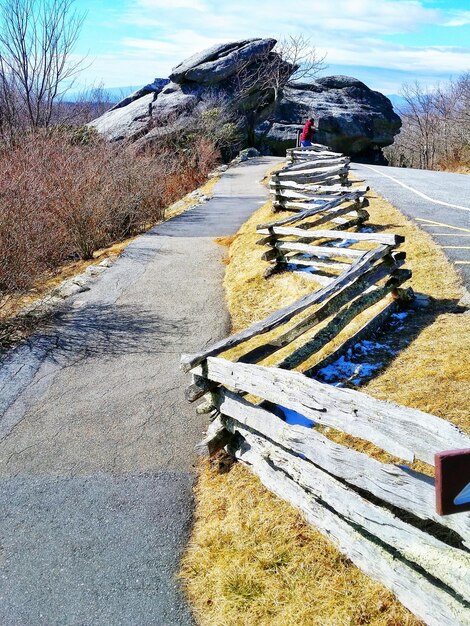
column 422, row 116
column 303, row 58
column 36, row 41
column 293, row 59
column 87, row 105
column 436, row 126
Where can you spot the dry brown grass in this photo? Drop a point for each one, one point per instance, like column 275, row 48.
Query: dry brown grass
column 251, row 559
column 250, row 297
column 61, row 199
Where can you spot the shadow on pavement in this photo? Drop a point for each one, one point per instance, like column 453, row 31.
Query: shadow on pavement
column 112, row 329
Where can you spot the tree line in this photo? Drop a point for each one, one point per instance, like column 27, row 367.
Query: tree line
column 436, row 127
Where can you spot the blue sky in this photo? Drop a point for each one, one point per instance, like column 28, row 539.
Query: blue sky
column 382, row 42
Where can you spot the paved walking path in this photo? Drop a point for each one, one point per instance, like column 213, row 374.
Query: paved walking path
column 96, row 439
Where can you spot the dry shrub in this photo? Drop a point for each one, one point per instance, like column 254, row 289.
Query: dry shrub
column 61, row 198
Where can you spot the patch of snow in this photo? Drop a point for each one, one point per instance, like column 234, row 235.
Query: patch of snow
column 294, row 418
column 341, row 368
column 292, row 267
column 352, row 367
column 341, row 243
column 365, row 346
column 352, row 371
column 400, row 316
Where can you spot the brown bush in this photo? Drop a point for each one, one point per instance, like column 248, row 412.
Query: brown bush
column 61, row 199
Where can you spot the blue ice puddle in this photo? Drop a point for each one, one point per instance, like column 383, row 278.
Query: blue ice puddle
column 295, row 419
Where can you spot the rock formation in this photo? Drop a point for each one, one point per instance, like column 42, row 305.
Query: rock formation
column 351, row 118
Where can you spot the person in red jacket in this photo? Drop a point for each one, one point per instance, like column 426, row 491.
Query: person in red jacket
column 307, row 134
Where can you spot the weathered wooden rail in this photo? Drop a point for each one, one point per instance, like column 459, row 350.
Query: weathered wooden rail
column 381, row 515
column 316, row 201
column 257, row 382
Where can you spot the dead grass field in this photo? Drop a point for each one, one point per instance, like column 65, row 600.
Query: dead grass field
column 251, row 559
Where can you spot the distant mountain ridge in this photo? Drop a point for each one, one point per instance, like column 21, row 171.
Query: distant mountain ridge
column 115, row 94
column 397, row 101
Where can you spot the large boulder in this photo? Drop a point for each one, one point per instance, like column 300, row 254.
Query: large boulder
column 221, row 61
column 350, row 117
column 127, row 122
column 209, row 75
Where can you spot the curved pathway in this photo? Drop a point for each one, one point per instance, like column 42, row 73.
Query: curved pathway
column 438, row 201
column 96, row 439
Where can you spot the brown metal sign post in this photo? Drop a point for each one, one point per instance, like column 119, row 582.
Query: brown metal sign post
column 452, row 481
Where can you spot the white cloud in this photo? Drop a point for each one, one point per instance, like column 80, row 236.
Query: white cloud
column 432, row 59
column 278, row 16
column 174, row 5
column 351, row 32
column 460, row 18
column 384, row 16
column 151, row 45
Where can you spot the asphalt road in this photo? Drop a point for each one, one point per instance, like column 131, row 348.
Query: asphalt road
column 96, row 439
column 439, row 202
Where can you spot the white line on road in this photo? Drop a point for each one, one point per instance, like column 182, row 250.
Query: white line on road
column 455, row 247
column 448, row 235
column 418, row 193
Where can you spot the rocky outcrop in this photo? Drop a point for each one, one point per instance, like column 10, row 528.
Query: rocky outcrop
column 221, row 61
column 351, row 118
column 153, row 88
column 127, row 122
column 209, row 74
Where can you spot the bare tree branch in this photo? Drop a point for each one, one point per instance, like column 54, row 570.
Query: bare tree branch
column 36, row 68
column 436, row 126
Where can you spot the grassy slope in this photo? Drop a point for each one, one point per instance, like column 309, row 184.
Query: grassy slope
column 252, row 560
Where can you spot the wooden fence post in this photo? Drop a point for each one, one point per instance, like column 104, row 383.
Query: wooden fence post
column 277, row 204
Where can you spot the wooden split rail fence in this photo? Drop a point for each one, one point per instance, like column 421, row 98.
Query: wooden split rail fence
column 382, row 516
column 315, row 187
